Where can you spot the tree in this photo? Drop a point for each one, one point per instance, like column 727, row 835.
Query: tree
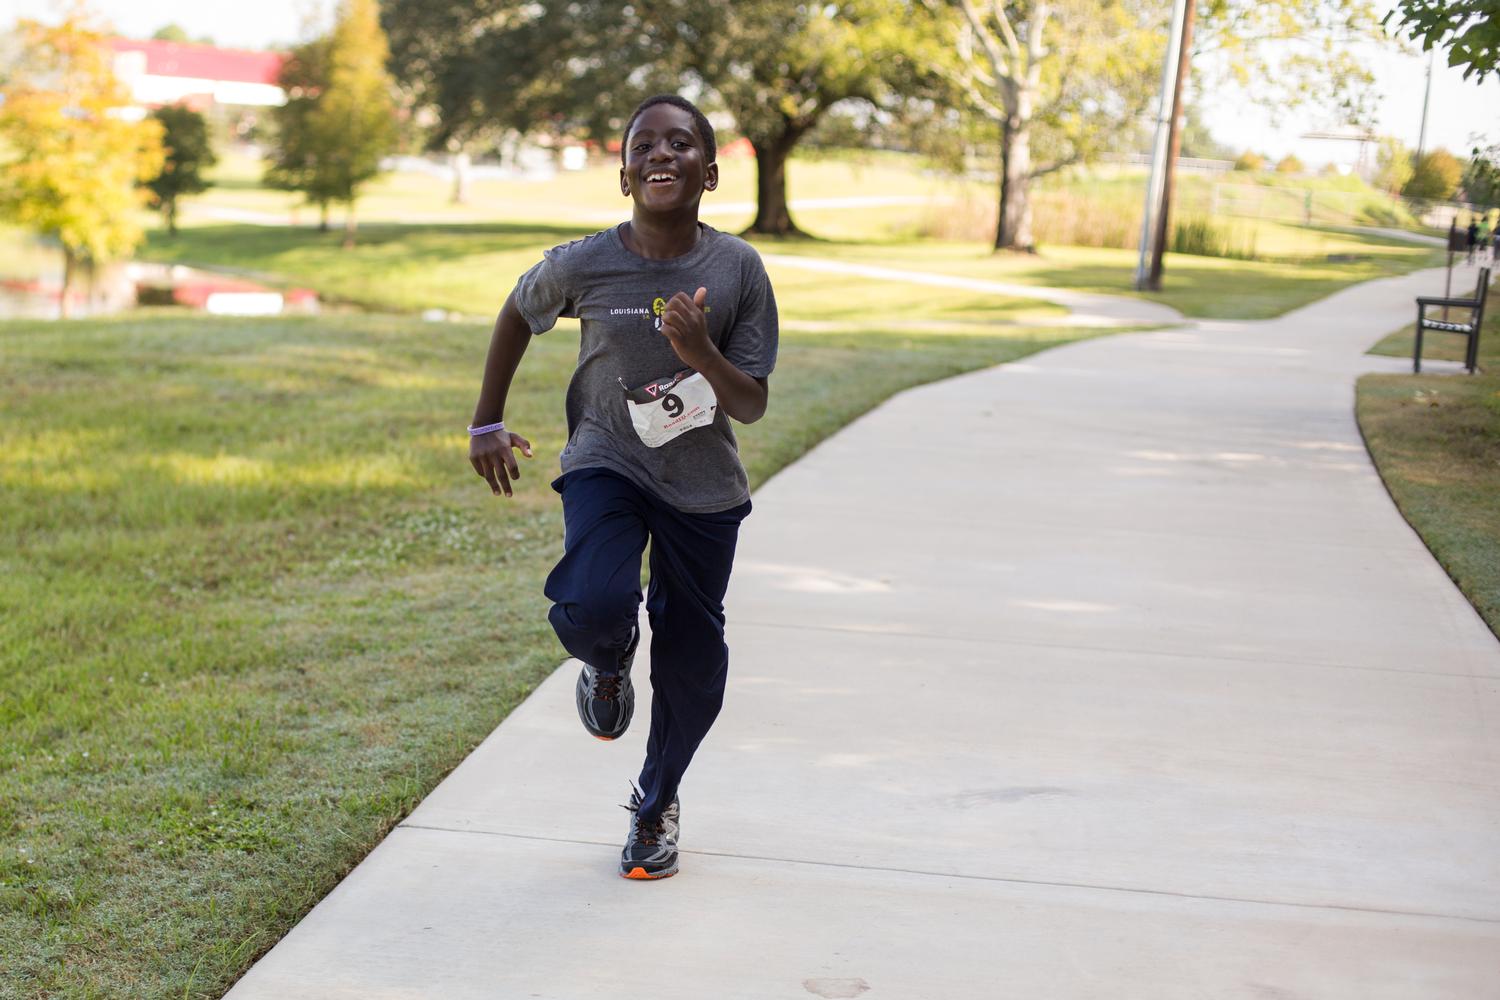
column 1289, row 54
column 300, row 157
column 779, row 67
column 188, row 154
column 1481, row 180
column 477, row 70
column 339, row 119
column 71, row 162
column 1435, row 177
column 1059, row 78
column 174, row 32
column 1289, row 164
column 1469, row 29
column 1250, row 161
column 579, row 67
column 1198, row 141
column 1393, row 167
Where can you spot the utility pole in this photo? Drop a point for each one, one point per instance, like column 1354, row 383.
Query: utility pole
column 1426, row 100
column 1174, row 147
column 1159, row 143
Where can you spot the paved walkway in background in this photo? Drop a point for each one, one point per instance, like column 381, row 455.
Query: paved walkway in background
column 1085, row 308
column 1108, row 673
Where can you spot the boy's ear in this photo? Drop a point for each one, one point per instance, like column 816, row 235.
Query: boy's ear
column 624, row 183
column 711, row 177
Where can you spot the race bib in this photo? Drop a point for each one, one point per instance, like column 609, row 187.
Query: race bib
column 670, row 407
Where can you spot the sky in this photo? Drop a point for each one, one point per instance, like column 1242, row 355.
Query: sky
column 1458, row 110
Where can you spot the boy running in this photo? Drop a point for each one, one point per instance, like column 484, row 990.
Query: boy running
column 679, row 333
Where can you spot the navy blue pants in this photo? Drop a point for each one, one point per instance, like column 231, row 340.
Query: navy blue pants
column 596, row 595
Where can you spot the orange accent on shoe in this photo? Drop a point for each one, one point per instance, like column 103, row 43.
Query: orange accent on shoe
column 605, row 739
column 641, row 873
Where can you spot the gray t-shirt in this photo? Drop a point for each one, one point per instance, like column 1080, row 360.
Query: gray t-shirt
column 618, row 295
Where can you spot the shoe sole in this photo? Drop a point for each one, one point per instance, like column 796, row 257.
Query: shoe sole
column 640, row 873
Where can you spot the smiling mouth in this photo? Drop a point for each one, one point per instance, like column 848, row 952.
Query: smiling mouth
column 660, row 177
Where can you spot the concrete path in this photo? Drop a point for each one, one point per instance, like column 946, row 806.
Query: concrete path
column 1112, row 673
column 1087, row 308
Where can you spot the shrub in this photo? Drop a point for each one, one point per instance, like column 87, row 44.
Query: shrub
column 1069, row 216
column 1204, row 237
column 1252, row 162
column 1434, row 177
column 1289, row 164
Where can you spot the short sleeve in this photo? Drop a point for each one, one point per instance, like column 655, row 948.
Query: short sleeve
column 751, row 346
column 545, row 293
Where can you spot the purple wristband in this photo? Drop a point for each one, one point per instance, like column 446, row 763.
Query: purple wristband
column 486, row 429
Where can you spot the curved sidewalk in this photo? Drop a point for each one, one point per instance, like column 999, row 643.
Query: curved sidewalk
column 1110, row 673
column 1086, row 308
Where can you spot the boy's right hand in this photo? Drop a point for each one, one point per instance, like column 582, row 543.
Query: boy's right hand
column 492, row 456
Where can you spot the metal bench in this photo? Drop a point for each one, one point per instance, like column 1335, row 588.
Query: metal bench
column 1469, row 327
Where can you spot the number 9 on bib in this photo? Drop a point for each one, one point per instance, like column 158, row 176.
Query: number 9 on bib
column 667, row 408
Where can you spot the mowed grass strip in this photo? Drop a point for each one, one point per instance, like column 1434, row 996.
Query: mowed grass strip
column 254, row 604
column 1436, row 441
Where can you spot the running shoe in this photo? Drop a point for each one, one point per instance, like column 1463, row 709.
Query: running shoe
column 607, row 701
column 651, row 847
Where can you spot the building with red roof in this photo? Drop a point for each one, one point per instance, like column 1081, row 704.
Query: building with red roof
column 200, row 76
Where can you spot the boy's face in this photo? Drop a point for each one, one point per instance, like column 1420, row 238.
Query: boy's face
column 664, row 168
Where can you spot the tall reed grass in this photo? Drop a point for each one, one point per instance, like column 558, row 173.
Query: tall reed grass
column 1103, row 215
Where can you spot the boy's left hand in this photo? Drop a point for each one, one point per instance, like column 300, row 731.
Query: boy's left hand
column 685, row 323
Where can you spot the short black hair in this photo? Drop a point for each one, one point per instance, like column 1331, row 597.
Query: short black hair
column 705, row 130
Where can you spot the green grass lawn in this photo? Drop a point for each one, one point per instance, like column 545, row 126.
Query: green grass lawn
column 593, row 195
column 1206, row 287
column 254, row 604
column 470, row 268
column 417, row 251
column 1436, row 442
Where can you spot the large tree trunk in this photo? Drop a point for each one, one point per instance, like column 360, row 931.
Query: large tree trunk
column 70, row 274
column 322, row 216
column 772, row 216
column 171, row 207
column 1013, row 229
column 462, row 175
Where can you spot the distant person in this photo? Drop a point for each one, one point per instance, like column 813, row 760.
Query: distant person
column 1473, row 239
column 679, row 335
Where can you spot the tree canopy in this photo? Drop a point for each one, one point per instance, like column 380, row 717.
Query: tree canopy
column 478, row 68
column 1288, row 54
column 70, row 163
column 778, row 68
column 1468, row 29
column 1061, row 78
column 339, row 119
column 1393, row 166
column 188, row 154
column 1481, row 179
column 1435, row 176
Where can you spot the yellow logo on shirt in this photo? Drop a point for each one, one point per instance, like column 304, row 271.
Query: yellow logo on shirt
column 659, row 306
